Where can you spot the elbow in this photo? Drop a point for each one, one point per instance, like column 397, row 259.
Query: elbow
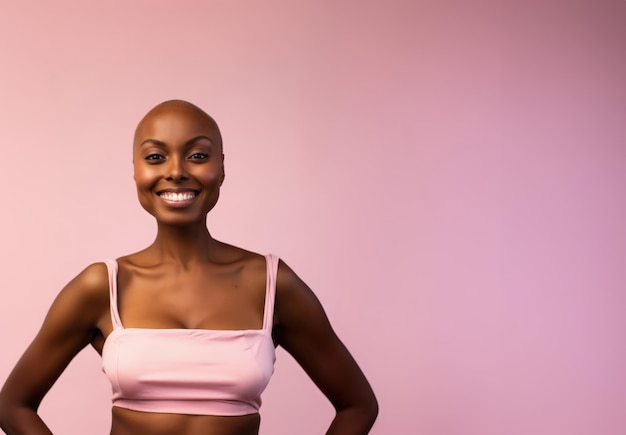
column 4, row 407
column 362, row 414
column 375, row 408
column 371, row 410
column 4, row 414
column 368, row 410
column 12, row 414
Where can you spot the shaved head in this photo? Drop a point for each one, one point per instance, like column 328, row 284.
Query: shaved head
column 179, row 107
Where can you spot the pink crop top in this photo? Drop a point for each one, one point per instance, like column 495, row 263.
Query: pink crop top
column 190, row 371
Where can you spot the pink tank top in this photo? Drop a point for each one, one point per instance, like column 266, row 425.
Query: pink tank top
column 190, row 371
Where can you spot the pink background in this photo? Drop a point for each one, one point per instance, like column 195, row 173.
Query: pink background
column 448, row 176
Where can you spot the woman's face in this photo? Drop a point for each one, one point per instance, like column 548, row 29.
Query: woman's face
column 178, row 164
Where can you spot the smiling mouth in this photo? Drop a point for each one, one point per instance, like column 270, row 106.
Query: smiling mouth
column 177, row 196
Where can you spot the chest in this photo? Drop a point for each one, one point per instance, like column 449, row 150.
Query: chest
column 222, row 299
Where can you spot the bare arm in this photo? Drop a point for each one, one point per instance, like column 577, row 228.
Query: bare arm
column 304, row 331
column 71, row 324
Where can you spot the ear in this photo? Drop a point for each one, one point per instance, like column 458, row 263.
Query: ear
column 223, row 172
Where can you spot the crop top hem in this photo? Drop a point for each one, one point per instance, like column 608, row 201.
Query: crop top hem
column 218, row 408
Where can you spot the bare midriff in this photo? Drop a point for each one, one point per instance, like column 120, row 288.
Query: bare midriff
column 128, row 422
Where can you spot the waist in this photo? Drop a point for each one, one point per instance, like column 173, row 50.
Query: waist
column 131, row 422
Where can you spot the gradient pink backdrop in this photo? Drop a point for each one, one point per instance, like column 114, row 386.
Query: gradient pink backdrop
column 448, row 176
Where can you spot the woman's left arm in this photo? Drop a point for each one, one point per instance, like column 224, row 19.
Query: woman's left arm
column 304, row 331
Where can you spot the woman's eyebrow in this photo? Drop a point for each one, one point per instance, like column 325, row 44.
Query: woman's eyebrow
column 153, row 142
column 162, row 144
column 196, row 139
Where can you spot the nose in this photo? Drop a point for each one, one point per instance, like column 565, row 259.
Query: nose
column 176, row 170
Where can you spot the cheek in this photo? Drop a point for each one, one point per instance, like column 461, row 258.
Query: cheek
column 213, row 178
column 209, row 178
column 144, row 177
column 144, row 180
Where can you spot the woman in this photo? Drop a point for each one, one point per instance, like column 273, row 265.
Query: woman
column 188, row 326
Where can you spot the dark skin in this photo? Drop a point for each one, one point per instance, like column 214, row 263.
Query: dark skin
column 185, row 279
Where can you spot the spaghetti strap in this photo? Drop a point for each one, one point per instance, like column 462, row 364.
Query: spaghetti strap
column 270, row 291
column 115, row 315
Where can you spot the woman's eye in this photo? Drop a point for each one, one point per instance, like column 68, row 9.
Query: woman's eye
column 199, row 156
column 154, row 157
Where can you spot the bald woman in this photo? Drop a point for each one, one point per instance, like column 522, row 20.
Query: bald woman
column 187, row 327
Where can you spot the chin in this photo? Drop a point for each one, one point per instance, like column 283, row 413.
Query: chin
column 180, row 221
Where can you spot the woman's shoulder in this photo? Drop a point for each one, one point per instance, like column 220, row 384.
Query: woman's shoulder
column 234, row 254
column 86, row 296
column 92, row 280
column 136, row 259
column 248, row 262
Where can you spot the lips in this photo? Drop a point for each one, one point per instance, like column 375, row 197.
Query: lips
column 177, row 196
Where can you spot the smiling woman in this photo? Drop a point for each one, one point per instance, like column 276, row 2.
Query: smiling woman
column 178, row 162
column 187, row 327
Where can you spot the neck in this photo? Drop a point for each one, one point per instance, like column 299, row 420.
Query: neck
column 183, row 245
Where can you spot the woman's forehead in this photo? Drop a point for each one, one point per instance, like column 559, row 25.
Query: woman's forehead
column 176, row 119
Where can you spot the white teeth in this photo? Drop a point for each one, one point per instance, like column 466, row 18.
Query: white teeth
column 174, row 196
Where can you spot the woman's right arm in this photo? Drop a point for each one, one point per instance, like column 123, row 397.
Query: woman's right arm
column 71, row 324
